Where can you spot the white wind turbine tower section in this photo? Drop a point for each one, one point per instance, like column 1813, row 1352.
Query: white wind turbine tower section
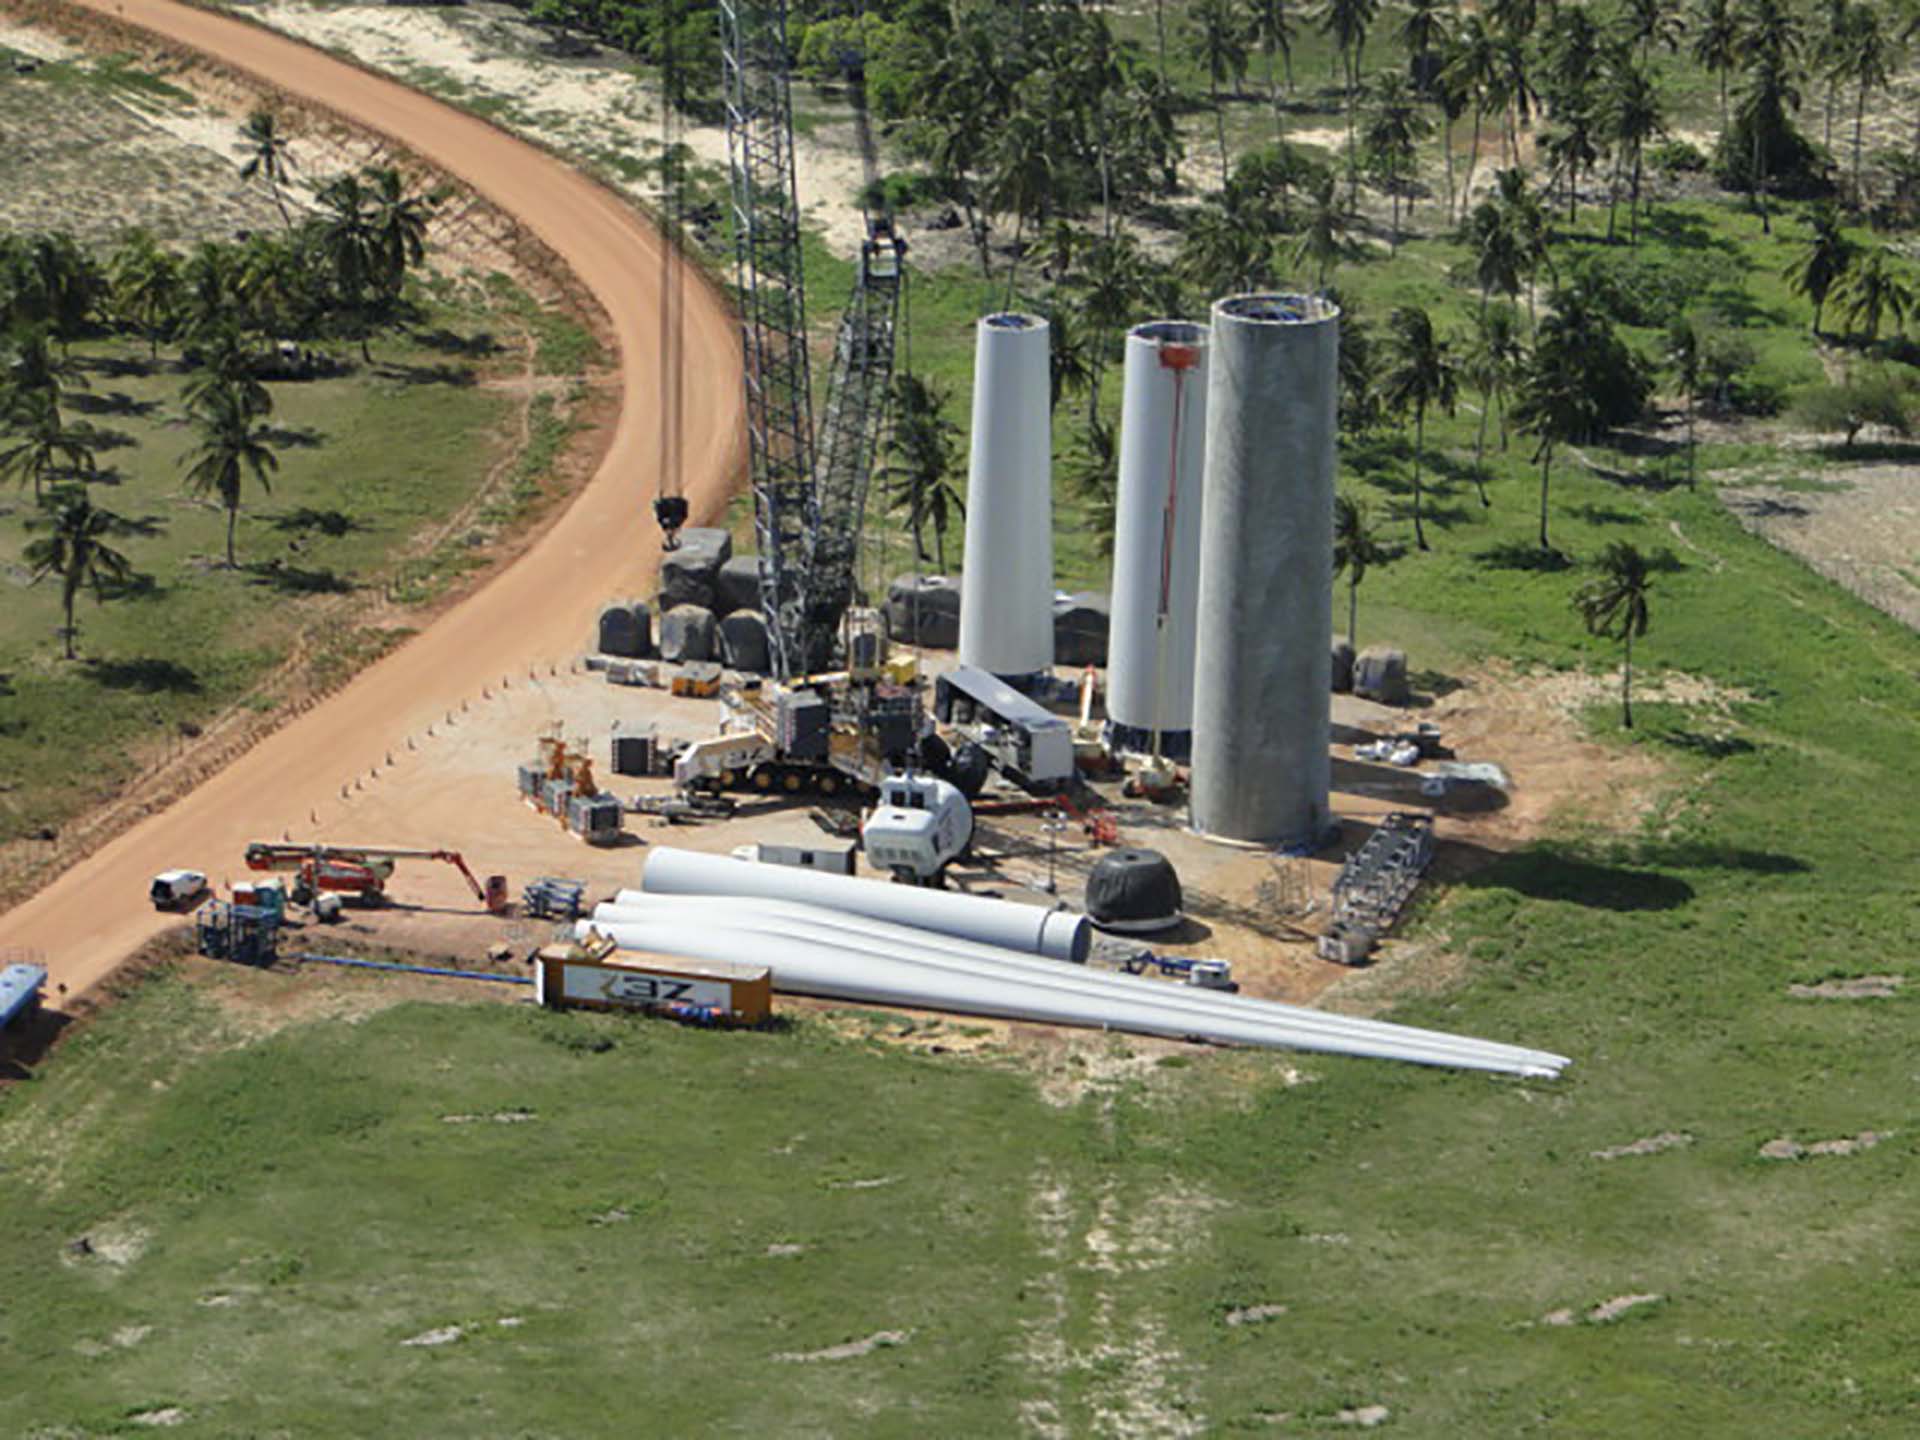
column 1156, row 544
column 1006, row 588
column 1262, row 717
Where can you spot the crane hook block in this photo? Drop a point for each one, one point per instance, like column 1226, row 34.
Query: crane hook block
column 671, row 512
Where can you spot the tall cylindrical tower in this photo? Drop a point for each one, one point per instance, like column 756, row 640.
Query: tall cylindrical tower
column 1156, row 540
column 1262, row 689
column 1006, row 588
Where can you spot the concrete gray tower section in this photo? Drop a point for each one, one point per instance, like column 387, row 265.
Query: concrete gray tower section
column 1262, row 717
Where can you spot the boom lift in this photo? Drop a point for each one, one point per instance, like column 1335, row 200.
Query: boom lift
column 361, row 870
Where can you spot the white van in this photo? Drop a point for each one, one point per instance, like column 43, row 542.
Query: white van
column 178, row 889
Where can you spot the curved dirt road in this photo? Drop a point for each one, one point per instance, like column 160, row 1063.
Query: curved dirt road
column 538, row 610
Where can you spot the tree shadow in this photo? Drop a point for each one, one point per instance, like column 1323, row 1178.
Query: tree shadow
column 302, row 437
column 1520, row 555
column 448, row 342
column 135, row 586
column 1899, row 452
column 1711, row 747
column 1549, row 873
column 1767, row 507
column 331, row 523
column 119, row 367
column 100, row 438
column 114, row 402
column 288, row 579
column 461, row 376
column 25, row 1045
column 1603, row 515
column 1686, row 230
column 147, row 675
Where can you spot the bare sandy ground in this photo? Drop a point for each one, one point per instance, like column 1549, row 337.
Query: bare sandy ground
column 534, row 614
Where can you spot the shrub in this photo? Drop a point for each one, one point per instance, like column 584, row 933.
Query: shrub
column 1872, row 397
column 1642, row 288
column 1676, row 157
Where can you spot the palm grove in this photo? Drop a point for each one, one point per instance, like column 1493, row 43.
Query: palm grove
column 1101, row 176
column 237, row 314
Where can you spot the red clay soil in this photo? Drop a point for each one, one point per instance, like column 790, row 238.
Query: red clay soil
column 537, row 611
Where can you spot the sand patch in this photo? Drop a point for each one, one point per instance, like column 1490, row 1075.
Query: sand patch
column 1859, row 987
column 1255, row 1314
column 1366, row 1417
column 1648, row 1145
column 117, row 1243
column 852, row 1350
column 426, row 1339
column 1619, row 1305
column 1788, row 1149
column 878, row 1182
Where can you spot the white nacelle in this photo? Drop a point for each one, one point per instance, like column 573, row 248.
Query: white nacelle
column 920, row 823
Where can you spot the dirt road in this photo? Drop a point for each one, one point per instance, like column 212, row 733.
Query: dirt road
column 538, row 611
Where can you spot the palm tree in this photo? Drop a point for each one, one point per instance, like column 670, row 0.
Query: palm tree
column 1425, row 28
column 1275, row 30
column 1614, row 606
column 32, row 367
column 1873, row 291
column 1421, row 375
column 1683, row 358
column 1347, row 23
column 1217, row 36
column 43, row 447
column 1570, row 148
column 230, row 449
column 1356, row 545
column 399, row 223
column 1394, row 130
column 1553, row 406
column 1864, row 55
column 1022, row 179
column 1526, row 220
column 1093, row 474
column 146, row 288
column 1716, row 44
column 349, row 241
column 1646, row 23
column 1630, row 115
column 268, row 155
column 1515, row 89
column 226, row 377
column 1472, row 70
column 1499, row 266
column 1221, row 253
column 76, row 550
column 1070, row 364
column 1494, row 359
column 1825, row 261
column 923, row 448
column 1571, row 49
column 1323, row 238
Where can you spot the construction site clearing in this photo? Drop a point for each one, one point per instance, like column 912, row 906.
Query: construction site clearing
column 1267, row 916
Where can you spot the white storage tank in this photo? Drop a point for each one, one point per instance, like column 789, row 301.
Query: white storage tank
column 1006, row 589
column 1156, row 543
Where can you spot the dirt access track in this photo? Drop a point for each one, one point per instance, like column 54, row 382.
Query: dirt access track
column 533, row 614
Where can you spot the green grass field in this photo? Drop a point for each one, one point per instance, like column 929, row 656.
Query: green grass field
column 368, row 462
